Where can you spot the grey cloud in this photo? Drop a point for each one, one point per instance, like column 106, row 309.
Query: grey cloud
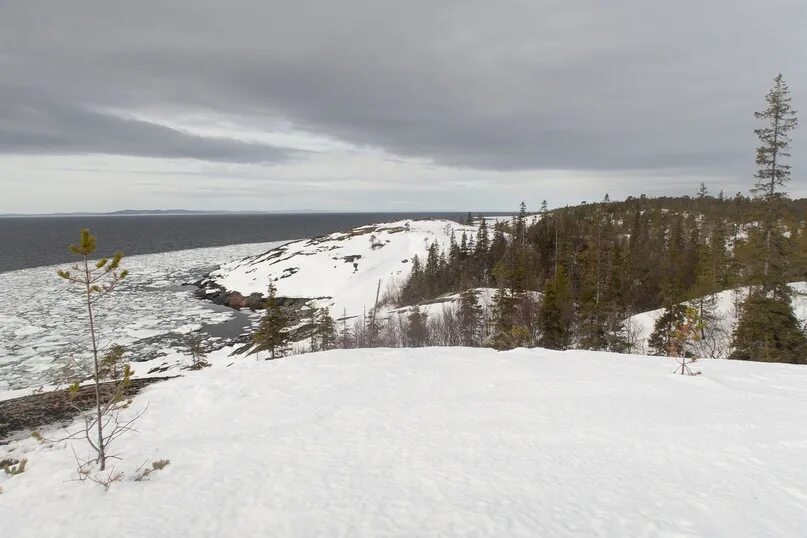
column 37, row 125
column 491, row 85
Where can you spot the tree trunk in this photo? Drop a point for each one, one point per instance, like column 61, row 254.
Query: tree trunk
column 101, row 452
column 771, row 192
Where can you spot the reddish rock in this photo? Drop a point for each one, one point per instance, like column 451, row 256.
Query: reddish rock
column 236, row 300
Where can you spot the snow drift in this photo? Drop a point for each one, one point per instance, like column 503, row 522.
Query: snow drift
column 442, row 441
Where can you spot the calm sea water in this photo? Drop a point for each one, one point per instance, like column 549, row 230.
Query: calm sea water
column 35, row 241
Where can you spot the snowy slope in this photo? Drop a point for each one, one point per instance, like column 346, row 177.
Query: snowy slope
column 443, row 442
column 641, row 325
column 485, row 296
column 323, row 268
column 510, row 219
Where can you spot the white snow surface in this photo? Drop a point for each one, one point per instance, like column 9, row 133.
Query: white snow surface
column 726, row 318
column 322, row 268
column 485, row 296
column 441, row 442
column 44, row 319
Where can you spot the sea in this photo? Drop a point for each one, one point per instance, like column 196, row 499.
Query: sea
column 37, row 241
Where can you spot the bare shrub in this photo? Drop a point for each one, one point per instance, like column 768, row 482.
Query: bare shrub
column 391, row 296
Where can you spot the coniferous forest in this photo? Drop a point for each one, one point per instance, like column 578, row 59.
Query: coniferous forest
column 596, row 264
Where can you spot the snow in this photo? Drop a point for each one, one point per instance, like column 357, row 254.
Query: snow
column 442, row 441
column 726, row 305
column 529, row 220
column 485, row 296
column 323, row 268
column 44, row 321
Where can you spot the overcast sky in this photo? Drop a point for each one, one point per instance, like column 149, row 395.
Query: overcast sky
column 374, row 105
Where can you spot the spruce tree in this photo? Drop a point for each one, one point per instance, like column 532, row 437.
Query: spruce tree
column 482, row 239
column 417, row 334
column 326, row 330
column 768, row 329
column 497, row 250
column 662, row 339
column 592, row 318
column 556, row 314
column 463, row 248
column 431, row 271
column 470, row 314
column 415, row 288
column 773, row 174
column 592, row 327
column 272, row 335
column 702, row 295
column 520, row 235
column 313, row 325
column 504, row 308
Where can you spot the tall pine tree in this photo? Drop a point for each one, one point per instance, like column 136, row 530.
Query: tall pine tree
column 768, row 329
column 772, row 176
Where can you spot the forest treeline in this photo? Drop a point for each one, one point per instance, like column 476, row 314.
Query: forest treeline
column 607, row 261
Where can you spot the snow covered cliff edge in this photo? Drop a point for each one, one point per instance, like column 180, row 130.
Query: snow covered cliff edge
column 340, row 270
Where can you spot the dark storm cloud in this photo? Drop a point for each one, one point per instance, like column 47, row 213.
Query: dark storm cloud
column 37, row 125
column 494, row 85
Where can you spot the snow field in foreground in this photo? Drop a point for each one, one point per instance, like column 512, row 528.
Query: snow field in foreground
column 443, row 441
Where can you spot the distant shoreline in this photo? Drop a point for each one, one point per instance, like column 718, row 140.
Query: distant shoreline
column 29, row 241
column 181, row 212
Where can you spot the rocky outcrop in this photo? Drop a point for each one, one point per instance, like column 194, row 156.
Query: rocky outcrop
column 215, row 293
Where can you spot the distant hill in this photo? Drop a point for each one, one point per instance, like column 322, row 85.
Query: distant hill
column 340, row 270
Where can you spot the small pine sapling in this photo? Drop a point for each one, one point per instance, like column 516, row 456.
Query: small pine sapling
column 686, row 332
column 97, row 280
column 196, row 349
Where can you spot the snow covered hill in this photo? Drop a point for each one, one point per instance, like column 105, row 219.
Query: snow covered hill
column 342, row 269
column 442, row 442
column 720, row 330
